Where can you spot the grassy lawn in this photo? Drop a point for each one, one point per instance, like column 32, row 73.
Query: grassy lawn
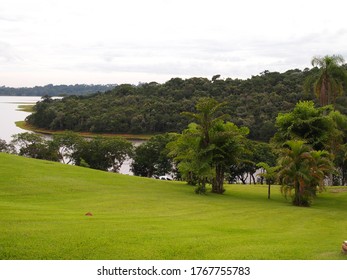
column 43, row 207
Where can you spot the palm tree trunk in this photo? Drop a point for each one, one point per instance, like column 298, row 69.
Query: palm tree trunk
column 218, row 181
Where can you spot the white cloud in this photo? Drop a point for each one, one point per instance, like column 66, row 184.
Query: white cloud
column 115, row 41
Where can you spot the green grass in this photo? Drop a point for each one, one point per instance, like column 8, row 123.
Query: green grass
column 43, row 206
column 26, row 108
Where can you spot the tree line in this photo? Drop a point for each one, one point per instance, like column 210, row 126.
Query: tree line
column 54, row 90
column 151, row 108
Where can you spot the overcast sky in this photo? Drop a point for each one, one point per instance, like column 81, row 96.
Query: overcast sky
column 132, row 41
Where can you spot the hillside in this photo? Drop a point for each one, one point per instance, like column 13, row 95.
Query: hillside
column 151, row 108
column 43, row 206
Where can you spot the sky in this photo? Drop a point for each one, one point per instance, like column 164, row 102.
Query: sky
column 132, row 41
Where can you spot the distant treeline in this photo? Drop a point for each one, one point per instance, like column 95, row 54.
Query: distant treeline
column 151, row 108
column 55, row 90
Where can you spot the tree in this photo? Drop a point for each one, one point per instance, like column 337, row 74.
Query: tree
column 330, row 79
column 151, row 158
column 117, row 150
column 193, row 161
column 322, row 128
column 340, row 161
column 208, row 146
column 228, row 142
column 67, row 144
column 6, row 148
column 302, row 170
column 269, row 173
column 246, row 165
column 35, row 146
column 102, row 153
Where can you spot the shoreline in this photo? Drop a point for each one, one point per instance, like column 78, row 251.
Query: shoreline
column 135, row 137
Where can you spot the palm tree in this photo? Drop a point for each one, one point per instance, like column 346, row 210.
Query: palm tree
column 327, row 83
column 303, row 170
column 208, row 146
column 320, row 167
column 269, row 173
column 208, row 113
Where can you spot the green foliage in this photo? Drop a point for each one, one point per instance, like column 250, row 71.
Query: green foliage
column 303, row 170
column 329, row 81
column 68, row 143
column 151, row 157
column 269, row 173
column 340, row 162
column 246, row 165
column 35, row 146
column 208, row 146
column 5, row 147
column 319, row 127
column 151, row 108
column 103, row 153
column 54, row 90
column 106, row 154
column 193, row 161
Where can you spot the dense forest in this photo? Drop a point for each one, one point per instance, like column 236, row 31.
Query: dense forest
column 151, row 108
column 54, row 90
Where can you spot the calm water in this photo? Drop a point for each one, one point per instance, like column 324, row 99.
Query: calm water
column 9, row 114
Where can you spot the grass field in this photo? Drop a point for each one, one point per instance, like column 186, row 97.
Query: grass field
column 43, row 206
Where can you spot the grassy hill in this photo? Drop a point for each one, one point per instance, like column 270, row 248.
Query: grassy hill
column 43, row 206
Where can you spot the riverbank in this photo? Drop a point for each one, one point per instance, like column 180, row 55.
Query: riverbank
column 26, row 126
column 134, row 137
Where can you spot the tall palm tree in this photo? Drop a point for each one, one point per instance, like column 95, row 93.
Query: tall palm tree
column 327, row 83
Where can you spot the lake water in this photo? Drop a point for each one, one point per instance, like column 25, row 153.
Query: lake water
column 9, row 114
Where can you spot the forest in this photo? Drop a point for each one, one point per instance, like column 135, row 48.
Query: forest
column 54, row 90
column 152, row 108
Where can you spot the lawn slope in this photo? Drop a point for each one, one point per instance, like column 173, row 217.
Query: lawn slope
column 43, row 206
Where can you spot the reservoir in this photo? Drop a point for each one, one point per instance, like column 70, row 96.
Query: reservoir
column 9, row 114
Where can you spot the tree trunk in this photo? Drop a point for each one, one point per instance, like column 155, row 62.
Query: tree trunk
column 268, row 191
column 218, row 181
column 243, row 180
column 252, row 178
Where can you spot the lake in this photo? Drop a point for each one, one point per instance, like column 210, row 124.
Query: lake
column 9, row 114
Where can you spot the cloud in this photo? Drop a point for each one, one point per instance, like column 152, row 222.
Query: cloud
column 152, row 38
column 8, row 54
